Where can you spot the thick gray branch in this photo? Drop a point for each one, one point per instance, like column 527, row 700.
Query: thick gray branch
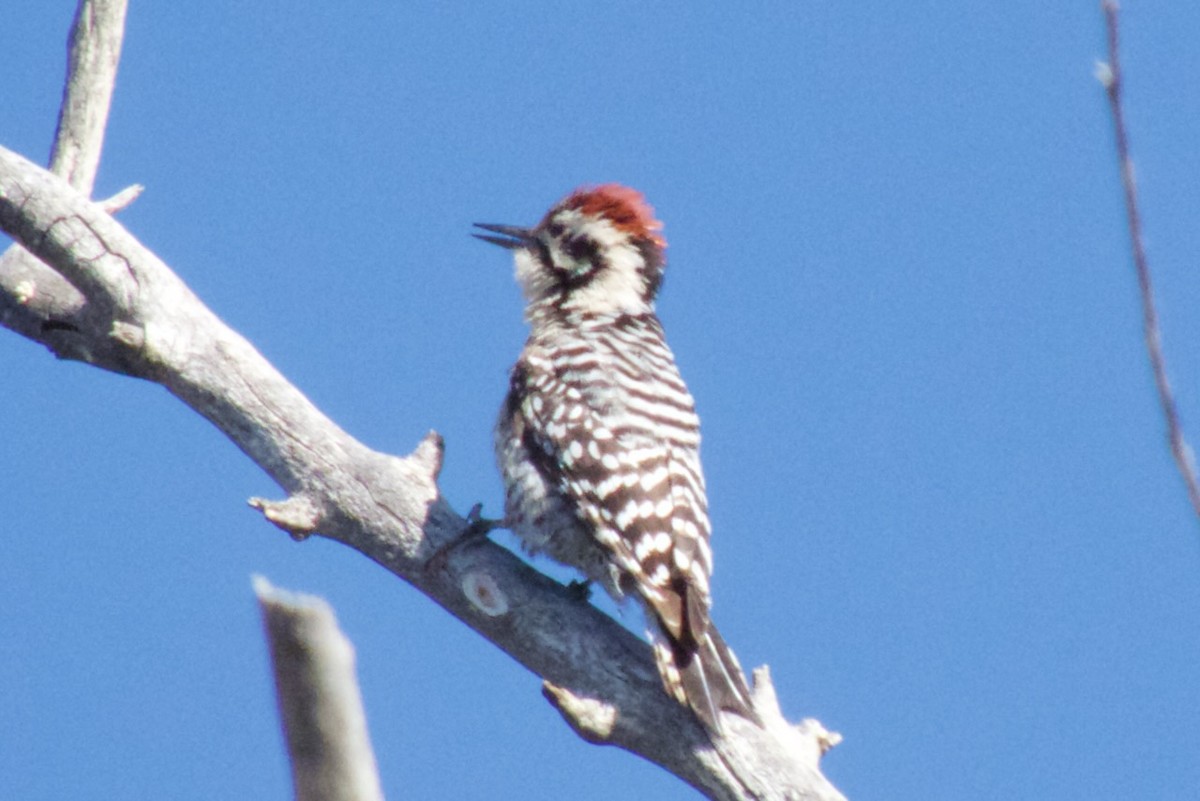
column 597, row 674
column 319, row 700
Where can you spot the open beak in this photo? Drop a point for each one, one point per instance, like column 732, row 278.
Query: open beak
column 513, row 236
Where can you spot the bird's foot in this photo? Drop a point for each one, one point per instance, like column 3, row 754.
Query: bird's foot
column 580, row 590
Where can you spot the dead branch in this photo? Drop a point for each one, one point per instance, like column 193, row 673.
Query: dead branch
column 319, row 700
column 1113, row 82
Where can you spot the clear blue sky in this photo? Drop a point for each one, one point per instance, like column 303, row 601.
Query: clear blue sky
column 899, row 287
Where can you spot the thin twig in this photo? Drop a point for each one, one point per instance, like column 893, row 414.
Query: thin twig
column 123, row 199
column 1110, row 76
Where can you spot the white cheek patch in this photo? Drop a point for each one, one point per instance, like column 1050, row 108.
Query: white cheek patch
column 535, row 282
column 620, row 287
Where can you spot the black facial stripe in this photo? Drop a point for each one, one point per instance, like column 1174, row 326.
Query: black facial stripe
column 583, row 253
column 596, row 264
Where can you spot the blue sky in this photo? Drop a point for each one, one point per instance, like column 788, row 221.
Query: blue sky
column 898, row 286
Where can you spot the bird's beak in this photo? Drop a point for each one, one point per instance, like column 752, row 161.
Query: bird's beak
column 514, row 236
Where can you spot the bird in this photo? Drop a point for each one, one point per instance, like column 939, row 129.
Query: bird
column 598, row 440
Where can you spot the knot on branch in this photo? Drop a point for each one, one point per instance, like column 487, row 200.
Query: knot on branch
column 484, row 593
column 299, row 515
column 24, row 291
column 591, row 718
column 811, row 728
column 128, row 335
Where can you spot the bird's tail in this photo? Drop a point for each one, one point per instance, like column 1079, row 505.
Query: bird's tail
column 703, row 675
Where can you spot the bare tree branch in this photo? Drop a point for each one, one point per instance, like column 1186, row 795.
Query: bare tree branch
column 133, row 315
column 35, row 301
column 95, row 51
column 319, row 700
column 1110, row 77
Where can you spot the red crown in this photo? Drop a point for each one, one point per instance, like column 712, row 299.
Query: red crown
column 625, row 208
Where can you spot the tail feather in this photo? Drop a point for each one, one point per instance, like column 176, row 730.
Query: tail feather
column 704, row 676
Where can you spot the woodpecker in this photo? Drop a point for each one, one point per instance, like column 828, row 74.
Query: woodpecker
column 598, row 440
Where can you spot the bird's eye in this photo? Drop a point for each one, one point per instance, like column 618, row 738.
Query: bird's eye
column 581, row 250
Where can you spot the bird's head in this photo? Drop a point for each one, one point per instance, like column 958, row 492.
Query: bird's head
column 599, row 250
